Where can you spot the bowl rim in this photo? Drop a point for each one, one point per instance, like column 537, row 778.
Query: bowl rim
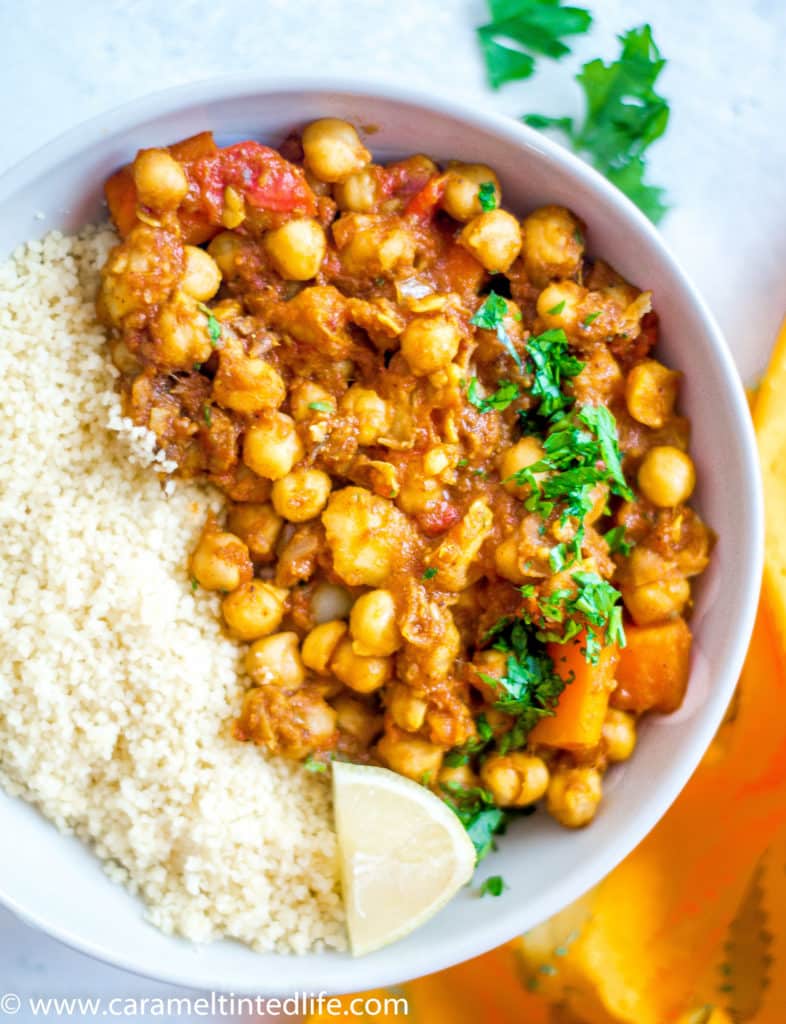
column 502, row 925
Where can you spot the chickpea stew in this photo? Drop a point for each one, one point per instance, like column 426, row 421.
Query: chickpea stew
column 456, row 538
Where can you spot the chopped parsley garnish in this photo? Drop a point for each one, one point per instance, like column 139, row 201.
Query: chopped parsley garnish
column 207, row 412
column 581, row 450
column 624, row 116
column 475, row 809
column 487, row 196
column 320, row 406
column 615, row 538
column 592, row 604
column 528, row 27
column 492, row 886
column 590, row 318
column 550, row 362
column 531, row 686
column 197, row 367
column 194, row 584
column 213, row 326
column 491, row 317
column 556, row 310
column 430, row 573
column 311, row 764
column 505, row 395
column 425, row 779
column 463, row 462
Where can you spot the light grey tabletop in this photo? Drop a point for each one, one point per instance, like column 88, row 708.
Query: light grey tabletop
column 723, row 161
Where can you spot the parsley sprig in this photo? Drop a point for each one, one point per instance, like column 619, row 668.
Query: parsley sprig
column 550, row 362
column 475, row 809
column 527, row 27
column 491, row 317
column 590, row 604
column 505, row 395
column 487, row 196
column 581, row 450
column 531, row 686
column 624, row 116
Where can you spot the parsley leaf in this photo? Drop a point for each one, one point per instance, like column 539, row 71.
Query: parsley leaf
column 615, row 538
column 311, row 764
column 624, row 116
column 487, row 196
column 506, row 393
column 535, row 27
column 531, row 686
column 491, row 317
column 207, row 412
column 321, row 406
column 581, row 450
column 549, row 360
column 475, row 809
column 213, row 326
column 492, row 886
column 590, row 318
column 194, row 584
column 430, row 573
column 556, row 310
column 592, row 604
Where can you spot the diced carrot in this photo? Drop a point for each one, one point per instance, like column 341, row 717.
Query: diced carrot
column 578, row 719
column 654, row 667
column 120, row 193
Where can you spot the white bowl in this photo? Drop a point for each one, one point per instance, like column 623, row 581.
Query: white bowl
column 57, row 884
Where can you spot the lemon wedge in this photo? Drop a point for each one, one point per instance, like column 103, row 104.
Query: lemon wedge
column 403, row 853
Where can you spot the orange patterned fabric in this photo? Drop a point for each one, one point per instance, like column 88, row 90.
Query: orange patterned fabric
column 691, row 927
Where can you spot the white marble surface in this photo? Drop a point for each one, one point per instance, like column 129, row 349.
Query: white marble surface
column 723, row 161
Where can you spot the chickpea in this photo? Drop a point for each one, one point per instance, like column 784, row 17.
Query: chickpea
column 573, row 796
column 181, row 333
column 656, row 601
column 494, row 239
column 202, row 277
column 161, row 182
column 411, row 756
column 507, row 561
column 650, row 393
column 553, row 244
column 374, row 246
column 224, row 250
column 333, row 149
column 461, row 199
column 667, row 476
column 272, row 446
column 429, row 343
column 258, row 526
column 220, row 561
column 320, row 645
column 255, row 609
column 359, row 673
column 372, row 623
column 515, row 780
column 297, row 249
column 301, row 495
column 619, row 734
column 488, row 663
column 371, row 411
column 357, row 719
column 406, row 709
column 359, row 192
column 276, row 660
column 559, row 303
column 523, row 453
column 247, row 385
column 330, row 601
column 459, row 775
column 304, row 396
